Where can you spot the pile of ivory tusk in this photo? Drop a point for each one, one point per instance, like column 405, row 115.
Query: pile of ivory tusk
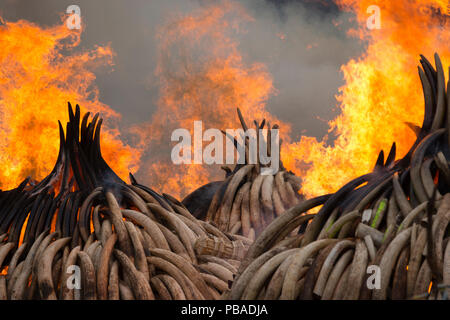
column 82, row 233
column 384, row 235
column 247, row 201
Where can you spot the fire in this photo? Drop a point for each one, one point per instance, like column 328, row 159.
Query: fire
column 22, row 231
column 381, row 93
column 36, row 81
column 207, row 85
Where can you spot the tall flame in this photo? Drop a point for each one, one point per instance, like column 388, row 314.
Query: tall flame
column 381, row 93
column 37, row 79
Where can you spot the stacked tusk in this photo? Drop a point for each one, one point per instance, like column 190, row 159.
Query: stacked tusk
column 384, row 235
column 247, row 201
column 117, row 241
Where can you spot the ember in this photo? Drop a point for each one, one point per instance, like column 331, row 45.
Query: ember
column 248, row 199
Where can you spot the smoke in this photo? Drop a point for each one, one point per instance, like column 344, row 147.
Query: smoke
column 302, row 45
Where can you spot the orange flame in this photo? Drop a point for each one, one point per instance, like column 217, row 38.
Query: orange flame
column 382, row 92
column 36, row 82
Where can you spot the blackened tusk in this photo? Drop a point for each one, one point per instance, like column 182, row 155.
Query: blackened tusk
column 83, row 132
column 35, row 213
column 428, row 98
column 71, row 216
column 237, row 145
column 391, row 156
column 440, row 98
column 429, row 73
column 415, row 128
column 262, row 124
column 241, row 119
column 227, row 170
column 416, row 163
column 171, row 199
column 46, row 216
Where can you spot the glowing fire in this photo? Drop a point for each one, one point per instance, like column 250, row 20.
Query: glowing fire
column 382, row 92
column 36, row 82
